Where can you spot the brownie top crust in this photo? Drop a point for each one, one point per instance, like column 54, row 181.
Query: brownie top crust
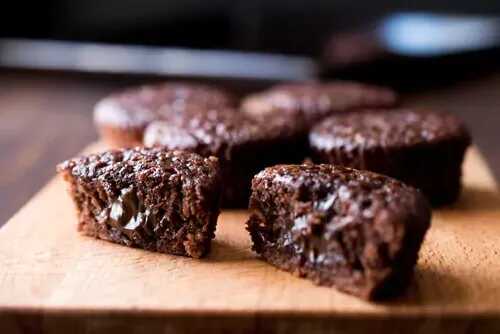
column 214, row 132
column 387, row 129
column 352, row 192
column 311, row 101
column 124, row 167
column 137, row 107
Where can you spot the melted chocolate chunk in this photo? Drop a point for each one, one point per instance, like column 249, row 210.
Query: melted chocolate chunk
column 124, row 209
column 355, row 230
column 159, row 200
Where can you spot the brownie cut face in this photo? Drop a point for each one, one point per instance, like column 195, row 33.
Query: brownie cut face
column 155, row 199
column 423, row 148
column 355, row 230
column 122, row 117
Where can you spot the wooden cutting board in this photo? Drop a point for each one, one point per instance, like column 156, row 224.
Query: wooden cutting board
column 54, row 280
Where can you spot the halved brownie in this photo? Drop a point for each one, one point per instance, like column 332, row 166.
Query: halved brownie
column 355, row 230
column 159, row 200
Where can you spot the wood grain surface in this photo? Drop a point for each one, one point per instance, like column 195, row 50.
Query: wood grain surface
column 52, row 279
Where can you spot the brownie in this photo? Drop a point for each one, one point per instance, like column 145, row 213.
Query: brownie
column 306, row 103
column 122, row 117
column 422, row 148
column 243, row 145
column 355, row 230
column 159, row 200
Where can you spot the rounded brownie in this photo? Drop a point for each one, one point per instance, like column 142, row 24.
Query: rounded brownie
column 306, row 103
column 355, row 230
column 243, row 145
column 422, row 148
column 159, row 200
column 122, row 117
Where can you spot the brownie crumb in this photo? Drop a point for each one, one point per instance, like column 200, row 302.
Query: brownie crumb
column 355, row 230
column 155, row 199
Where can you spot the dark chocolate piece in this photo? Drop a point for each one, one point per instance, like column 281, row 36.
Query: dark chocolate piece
column 243, row 145
column 121, row 118
column 159, row 200
column 355, row 230
column 304, row 104
column 422, row 148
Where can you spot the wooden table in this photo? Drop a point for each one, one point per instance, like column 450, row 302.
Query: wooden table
column 61, row 281
column 47, row 118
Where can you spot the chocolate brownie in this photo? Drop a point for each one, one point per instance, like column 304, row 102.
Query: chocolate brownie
column 306, row 103
column 159, row 200
column 355, row 230
column 121, row 118
column 422, row 148
column 243, row 145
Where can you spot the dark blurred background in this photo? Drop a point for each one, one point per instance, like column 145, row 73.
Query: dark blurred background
column 47, row 115
column 287, row 26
